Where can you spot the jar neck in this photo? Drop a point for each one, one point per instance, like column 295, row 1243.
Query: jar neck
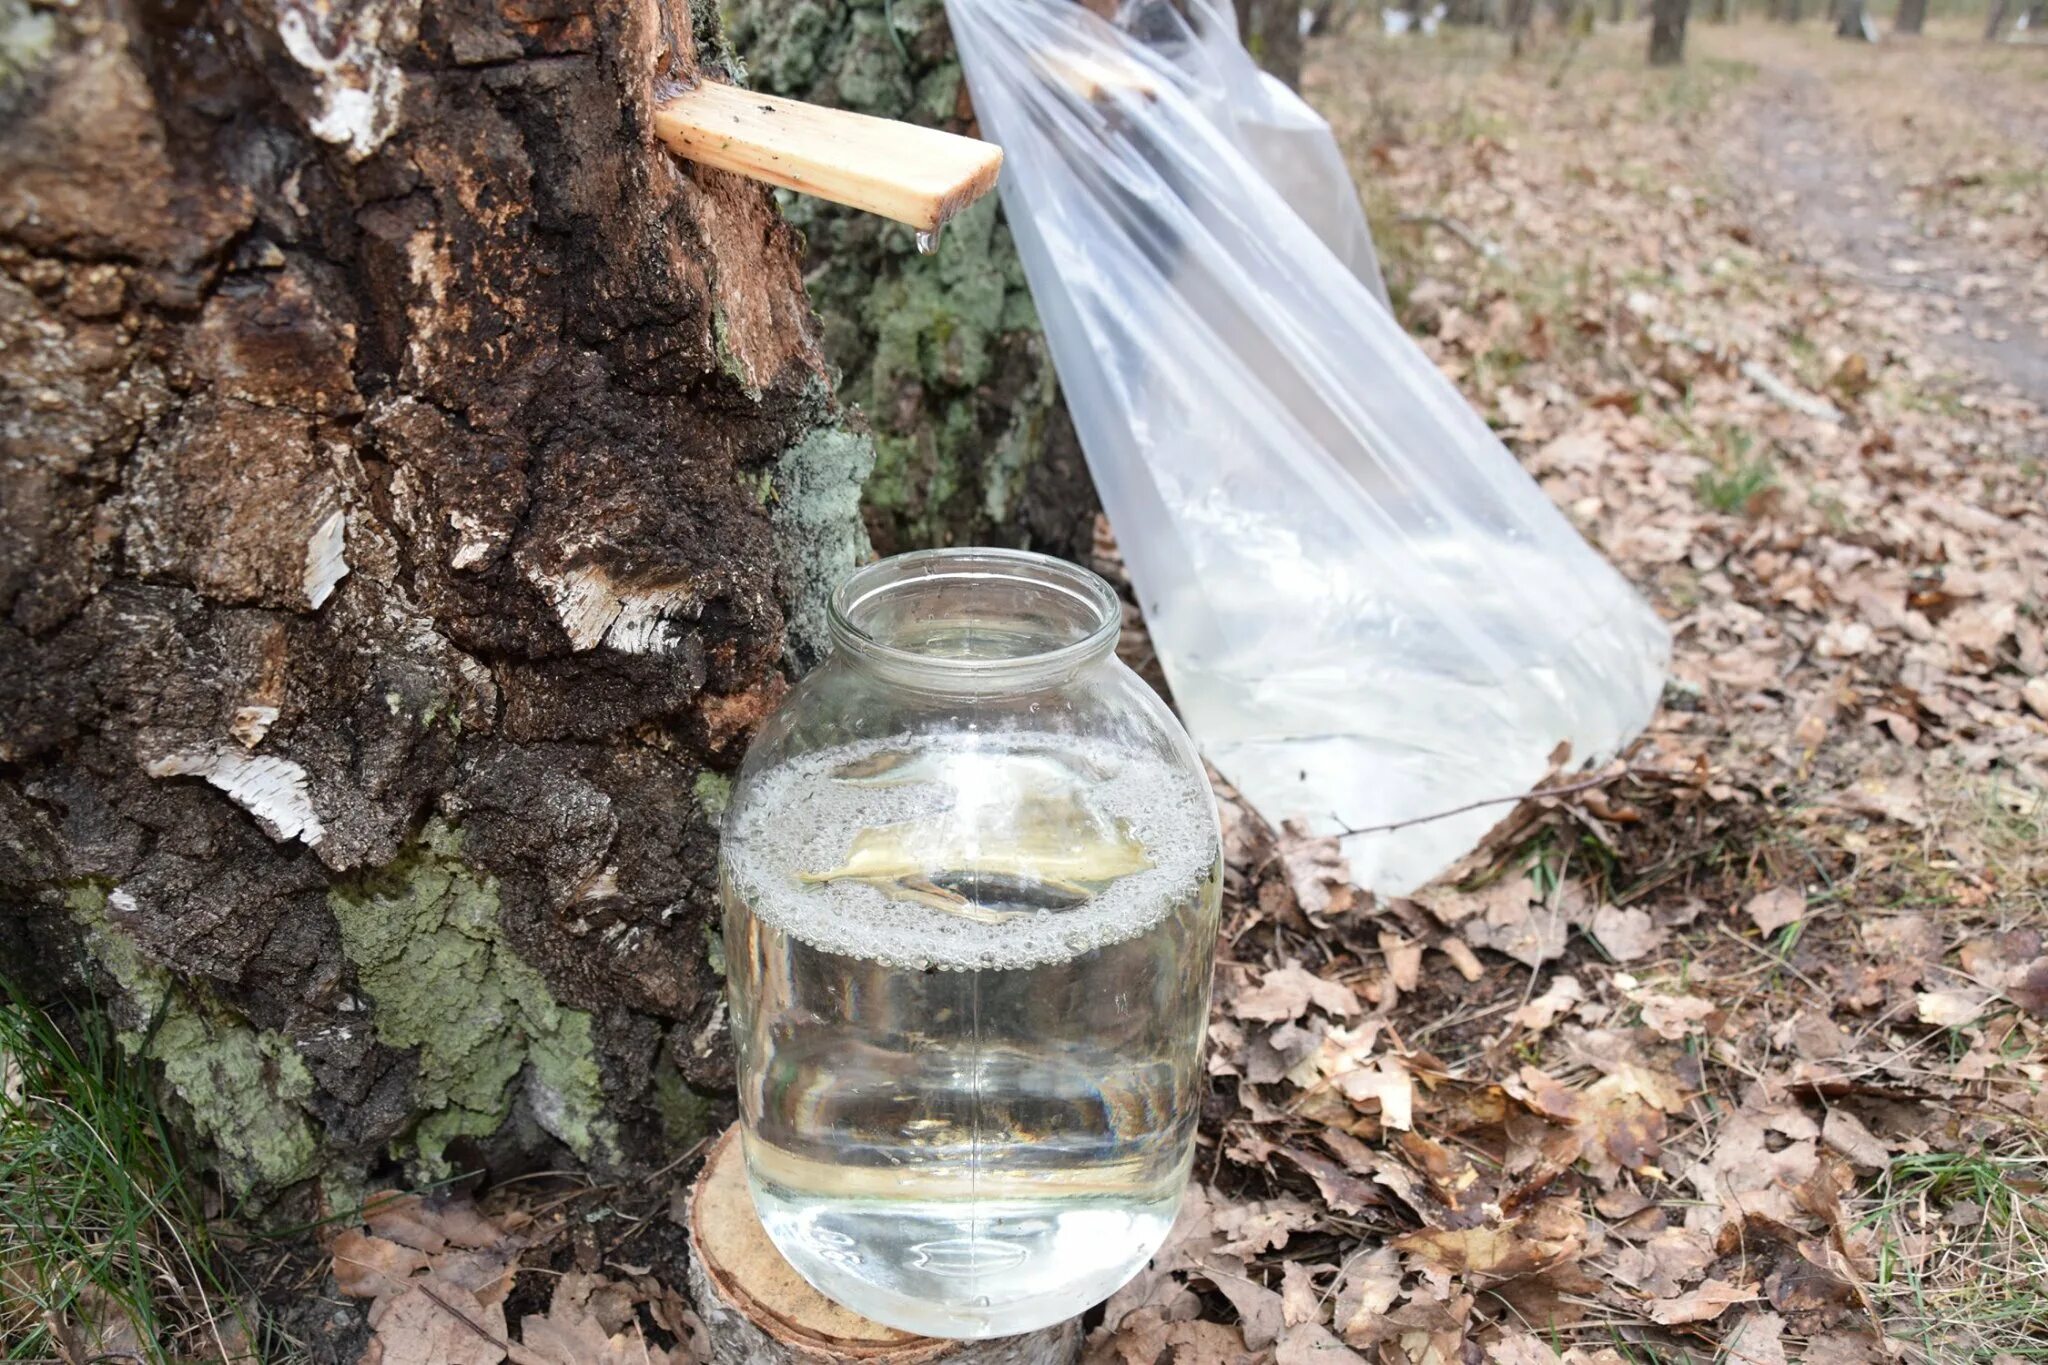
column 977, row 621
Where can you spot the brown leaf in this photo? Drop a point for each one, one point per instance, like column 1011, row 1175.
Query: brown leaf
column 1845, row 1348
column 1502, row 1251
column 1504, row 898
column 1540, row 1013
column 1146, row 1338
column 1404, row 960
column 1259, row 1225
column 429, row 1225
column 1520, row 1348
column 1772, row 910
column 1843, row 1132
column 1341, row 1190
column 1951, row 1009
column 1627, row 935
column 367, row 1267
column 1371, row 1284
column 1309, row 1343
column 1673, row 1016
column 2028, row 988
column 438, row 1324
column 1385, row 1083
column 590, row 1321
column 1803, row 1286
column 1709, row 1301
column 1300, row 1301
column 1261, row 1314
column 1755, row 1341
column 1316, row 872
column 1287, row 992
column 1530, row 934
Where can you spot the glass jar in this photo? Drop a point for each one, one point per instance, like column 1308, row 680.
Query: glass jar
column 970, row 870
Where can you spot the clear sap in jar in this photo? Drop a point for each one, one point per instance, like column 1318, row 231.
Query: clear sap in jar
column 969, row 969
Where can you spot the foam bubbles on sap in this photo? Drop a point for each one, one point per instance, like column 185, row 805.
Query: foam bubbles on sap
column 969, row 982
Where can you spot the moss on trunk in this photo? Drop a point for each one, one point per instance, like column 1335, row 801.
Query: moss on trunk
column 942, row 354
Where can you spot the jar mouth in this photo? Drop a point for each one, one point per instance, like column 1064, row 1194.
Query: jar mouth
column 984, row 614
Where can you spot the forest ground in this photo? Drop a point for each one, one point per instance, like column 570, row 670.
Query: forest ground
column 1735, row 1055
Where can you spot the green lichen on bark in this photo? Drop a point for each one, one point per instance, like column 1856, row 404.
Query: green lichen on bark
column 816, row 516
column 27, row 37
column 423, row 934
column 685, row 1115
column 243, row 1088
column 942, row 353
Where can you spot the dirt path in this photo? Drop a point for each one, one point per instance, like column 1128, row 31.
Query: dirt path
column 1839, row 209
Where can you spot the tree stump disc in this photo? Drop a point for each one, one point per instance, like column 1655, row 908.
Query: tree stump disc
column 759, row 1311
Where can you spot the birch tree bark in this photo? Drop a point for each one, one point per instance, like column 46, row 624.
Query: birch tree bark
column 941, row 354
column 414, row 485
column 1667, row 31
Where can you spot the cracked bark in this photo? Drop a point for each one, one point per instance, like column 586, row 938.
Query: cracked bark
column 393, row 446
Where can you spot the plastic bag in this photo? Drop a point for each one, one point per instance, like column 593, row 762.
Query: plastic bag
column 1368, row 612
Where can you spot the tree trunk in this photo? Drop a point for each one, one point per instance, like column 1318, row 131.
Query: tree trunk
column 1721, row 12
column 1271, row 30
column 941, row 353
column 1667, row 32
column 1519, row 15
column 1851, row 22
column 415, row 487
column 1911, row 17
column 1994, row 26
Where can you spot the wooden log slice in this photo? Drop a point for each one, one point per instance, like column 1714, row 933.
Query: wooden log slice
column 759, row 1311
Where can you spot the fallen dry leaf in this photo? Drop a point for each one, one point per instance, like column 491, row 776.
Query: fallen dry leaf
column 1673, row 1016
column 1627, row 935
column 1843, row 1132
column 1704, row 1304
column 1951, row 1009
column 1287, row 993
column 366, row 1267
column 437, row 1324
column 1310, row 1343
column 1300, row 1301
column 1521, row 1348
column 1772, row 910
column 1261, row 1313
column 1538, row 1015
column 1755, row 1341
column 429, row 1225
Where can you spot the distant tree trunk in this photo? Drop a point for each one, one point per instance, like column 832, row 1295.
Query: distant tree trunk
column 1994, row 27
column 2037, row 16
column 1721, row 12
column 1461, row 11
column 1911, row 16
column 1271, row 30
column 1615, row 11
column 1788, row 11
column 1850, row 24
column 1518, row 16
column 414, row 486
column 1667, row 31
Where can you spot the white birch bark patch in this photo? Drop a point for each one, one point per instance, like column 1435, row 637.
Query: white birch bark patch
column 271, row 789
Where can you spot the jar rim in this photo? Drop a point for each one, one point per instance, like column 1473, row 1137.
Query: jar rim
column 1098, row 612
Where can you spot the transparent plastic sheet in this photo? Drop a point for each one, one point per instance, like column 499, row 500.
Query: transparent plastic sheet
column 1368, row 612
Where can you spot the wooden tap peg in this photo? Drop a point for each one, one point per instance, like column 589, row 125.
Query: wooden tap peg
column 915, row 175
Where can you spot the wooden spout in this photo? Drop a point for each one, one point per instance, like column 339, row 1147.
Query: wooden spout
column 915, row 175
